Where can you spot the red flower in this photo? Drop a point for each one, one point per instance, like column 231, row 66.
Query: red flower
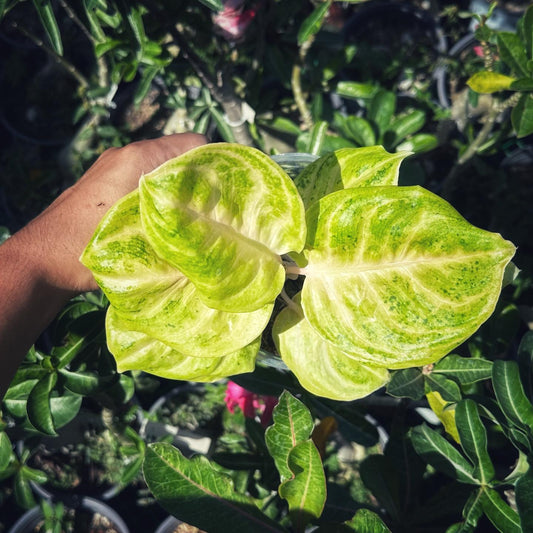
column 249, row 402
column 233, row 20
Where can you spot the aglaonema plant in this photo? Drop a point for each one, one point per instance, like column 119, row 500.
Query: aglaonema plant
column 193, row 261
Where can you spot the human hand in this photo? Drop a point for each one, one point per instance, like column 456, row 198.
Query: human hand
column 54, row 241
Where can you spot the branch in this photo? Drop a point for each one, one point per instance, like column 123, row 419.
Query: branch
column 296, row 84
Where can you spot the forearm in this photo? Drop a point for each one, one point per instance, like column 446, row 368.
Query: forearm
column 27, row 306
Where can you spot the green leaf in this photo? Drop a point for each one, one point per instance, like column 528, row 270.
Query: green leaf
column 512, row 52
column 23, row 492
column 39, row 412
column 148, row 74
column 474, row 440
column 64, row 408
column 292, row 425
column 3, row 4
column 32, row 474
column 522, row 116
column 366, row 521
column 305, row 491
column 405, row 125
column 318, row 133
column 464, row 370
column 135, row 350
column 407, row 383
column 392, row 268
column 214, row 5
column 448, row 389
column 284, row 125
column 473, row 510
column 381, row 110
column 49, row 22
column 528, row 31
column 187, row 488
column 225, row 130
column 320, row 367
column 150, row 296
column 487, row 82
column 360, row 130
column 312, row 24
column 524, row 500
column 86, row 383
column 348, row 168
column 421, row 142
column 6, row 450
column 522, row 84
column 223, row 215
column 440, row 454
column 499, row 513
column 102, row 48
column 354, row 90
column 525, row 363
column 510, row 394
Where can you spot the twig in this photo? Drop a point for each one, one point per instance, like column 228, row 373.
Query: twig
column 296, row 84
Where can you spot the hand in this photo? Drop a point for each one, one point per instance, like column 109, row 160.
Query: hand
column 59, row 235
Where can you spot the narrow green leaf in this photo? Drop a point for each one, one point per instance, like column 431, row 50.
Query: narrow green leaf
column 366, row 521
column 448, row 389
column 405, row 125
column 473, row 510
column 312, row 24
column 381, row 110
column 32, row 474
column 522, row 116
column 354, row 90
column 528, row 31
column 522, row 84
column 439, row 453
column 134, row 17
column 148, row 74
column 525, row 363
column 499, row 513
column 524, row 500
column 512, row 52
column 474, row 439
column 360, row 130
column 390, row 268
column 318, row 133
column 86, row 383
column 102, row 48
column 214, row 5
column 202, row 123
column 39, row 412
column 464, row 370
column 510, row 394
column 284, row 125
column 6, row 450
column 49, row 22
column 487, row 82
column 292, row 425
column 3, row 4
column 419, row 143
column 305, row 491
column 23, row 492
column 187, row 487
column 348, row 168
column 225, row 130
column 333, row 374
column 407, row 383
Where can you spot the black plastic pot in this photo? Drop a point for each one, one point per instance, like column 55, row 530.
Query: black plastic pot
column 168, row 525
column 32, row 518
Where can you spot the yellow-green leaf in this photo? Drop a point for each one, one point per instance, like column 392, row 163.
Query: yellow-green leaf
column 489, row 82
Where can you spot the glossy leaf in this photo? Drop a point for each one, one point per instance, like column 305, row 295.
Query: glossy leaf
column 522, row 116
column 305, row 491
column 360, row 130
column 510, row 394
column 464, row 370
column 474, row 440
column 5, row 450
column 512, row 52
column 528, row 31
column 214, row 5
column 292, row 425
column 347, row 168
column 421, row 142
column 49, row 22
column 150, row 296
column 381, row 110
column 354, row 90
column 320, row 367
column 187, row 488
column 524, row 500
column 448, row 389
column 38, row 407
column 522, row 84
column 223, row 214
column 23, row 492
column 473, row 510
column 407, row 383
column 487, row 82
column 64, row 408
column 440, row 454
column 85, row 383
column 135, row 350
column 366, row 521
column 312, row 24
column 445, row 413
column 316, row 140
column 504, row 518
column 396, row 277
column 525, row 363
column 406, row 125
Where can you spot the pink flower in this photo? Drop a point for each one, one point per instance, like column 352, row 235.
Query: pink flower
column 478, row 50
column 249, row 402
column 233, row 20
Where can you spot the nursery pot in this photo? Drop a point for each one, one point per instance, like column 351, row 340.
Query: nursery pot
column 293, row 163
column 173, row 525
column 111, row 520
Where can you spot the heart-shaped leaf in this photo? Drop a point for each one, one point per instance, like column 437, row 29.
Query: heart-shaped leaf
column 396, row 277
column 347, row 168
column 134, row 350
column 223, row 214
column 320, row 367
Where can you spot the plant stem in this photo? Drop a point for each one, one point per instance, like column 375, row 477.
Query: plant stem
column 290, row 303
column 296, row 84
column 291, row 268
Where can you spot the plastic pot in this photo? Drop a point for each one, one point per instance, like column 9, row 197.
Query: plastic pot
column 32, row 518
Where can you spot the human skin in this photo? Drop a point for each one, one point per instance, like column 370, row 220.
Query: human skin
column 39, row 265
